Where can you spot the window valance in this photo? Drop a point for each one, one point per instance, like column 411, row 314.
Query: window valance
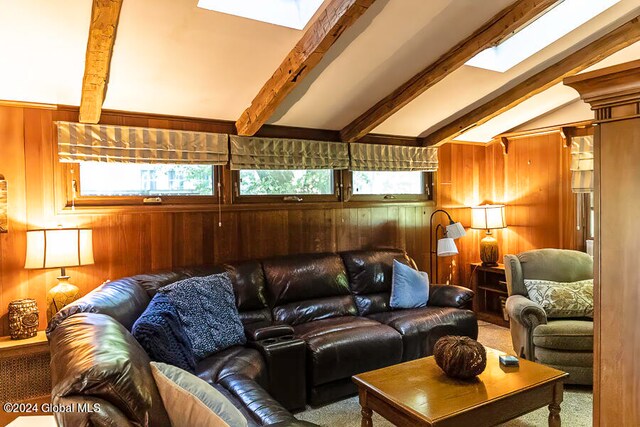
column 273, row 153
column 380, row 157
column 79, row 142
column 582, row 175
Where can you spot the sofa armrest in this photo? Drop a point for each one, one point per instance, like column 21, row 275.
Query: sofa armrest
column 525, row 316
column 526, row 312
column 450, row 296
column 262, row 331
column 264, row 408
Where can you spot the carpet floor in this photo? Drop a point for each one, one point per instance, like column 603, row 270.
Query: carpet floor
column 576, row 407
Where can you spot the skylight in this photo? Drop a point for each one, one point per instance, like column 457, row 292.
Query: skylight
column 287, row 13
column 540, row 33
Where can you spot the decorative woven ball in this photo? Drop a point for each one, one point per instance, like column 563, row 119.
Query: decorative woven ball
column 460, row 357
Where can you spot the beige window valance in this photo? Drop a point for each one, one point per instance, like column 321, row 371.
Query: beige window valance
column 79, row 142
column 582, row 175
column 273, row 153
column 379, row 157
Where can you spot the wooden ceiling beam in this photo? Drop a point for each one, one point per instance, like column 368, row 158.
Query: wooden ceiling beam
column 619, row 38
column 491, row 33
column 322, row 33
column 102, row 35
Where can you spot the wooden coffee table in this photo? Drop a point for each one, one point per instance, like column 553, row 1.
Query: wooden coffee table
column 418, row 393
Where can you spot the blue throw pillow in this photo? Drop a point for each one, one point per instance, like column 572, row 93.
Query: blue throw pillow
column 160, row 333
column 207, row 309
column 409, row 287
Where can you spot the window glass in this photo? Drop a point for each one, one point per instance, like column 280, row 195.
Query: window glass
column 388, row 182
column 285, row 182
column 131, row 179
column 558, row 21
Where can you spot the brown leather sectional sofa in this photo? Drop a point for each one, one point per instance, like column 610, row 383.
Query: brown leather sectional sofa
column 312, row 321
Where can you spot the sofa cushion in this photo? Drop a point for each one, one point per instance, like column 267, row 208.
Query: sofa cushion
column 340, row 347
column 160, row 333
column 549, row 356
column 417, row 325
column 562, row 299
column 572, row 335
column 190, row 401
column 234, row 360
column 307, row 287
column 409, row 287
column 296, row 313
column 370, row 275
column 207, row 309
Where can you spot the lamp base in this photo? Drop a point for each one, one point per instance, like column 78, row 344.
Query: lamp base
column 489, row 251
column 60, row 295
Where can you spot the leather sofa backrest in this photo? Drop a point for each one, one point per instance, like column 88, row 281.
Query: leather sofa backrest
column 308, row 287
column 124, row 300
column 370, row 273
column 558, row 265
column 250, row 289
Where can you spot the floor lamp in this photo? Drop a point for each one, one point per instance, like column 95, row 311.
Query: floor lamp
column 446, row 245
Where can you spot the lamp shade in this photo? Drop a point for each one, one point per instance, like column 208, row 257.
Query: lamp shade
column 487, row 217
column 447, row 247
column 59, row 247
column 455, row 230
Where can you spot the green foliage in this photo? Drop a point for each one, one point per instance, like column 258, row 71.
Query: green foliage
column 201, row 176
column 285, row 182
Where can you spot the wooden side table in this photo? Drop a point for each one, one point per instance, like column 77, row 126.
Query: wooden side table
column 24, row 368
column 490, row 287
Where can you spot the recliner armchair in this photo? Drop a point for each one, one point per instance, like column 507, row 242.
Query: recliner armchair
column 565, row 344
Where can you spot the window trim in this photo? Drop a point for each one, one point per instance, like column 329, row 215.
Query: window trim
column 428, row 182
column 288, row 198
column 71, row 173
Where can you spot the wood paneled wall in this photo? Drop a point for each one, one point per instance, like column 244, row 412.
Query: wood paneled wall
column 127, row 243
column 533, row 180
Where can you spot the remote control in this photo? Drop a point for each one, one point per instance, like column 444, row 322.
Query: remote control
column 506, row 360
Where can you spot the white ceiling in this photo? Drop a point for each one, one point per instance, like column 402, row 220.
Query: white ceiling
column 173, row 58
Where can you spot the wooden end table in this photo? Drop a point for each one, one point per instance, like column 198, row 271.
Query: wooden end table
column 418, row 393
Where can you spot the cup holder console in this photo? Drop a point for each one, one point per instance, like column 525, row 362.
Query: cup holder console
column 286, row 362
column 277, row 340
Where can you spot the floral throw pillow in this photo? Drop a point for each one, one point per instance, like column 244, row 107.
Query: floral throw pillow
column 558, row 299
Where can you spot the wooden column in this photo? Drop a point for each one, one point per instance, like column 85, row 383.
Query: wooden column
column 614, row 95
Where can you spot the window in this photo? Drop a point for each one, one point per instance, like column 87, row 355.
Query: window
column 287, row 13
column 287, row 185
column 391, row 184
column 130, row 179
column 388, row 182
column 549, row 27
column 94, row 183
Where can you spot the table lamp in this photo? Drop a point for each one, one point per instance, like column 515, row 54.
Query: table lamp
column 488, row 217
column 59, row 248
